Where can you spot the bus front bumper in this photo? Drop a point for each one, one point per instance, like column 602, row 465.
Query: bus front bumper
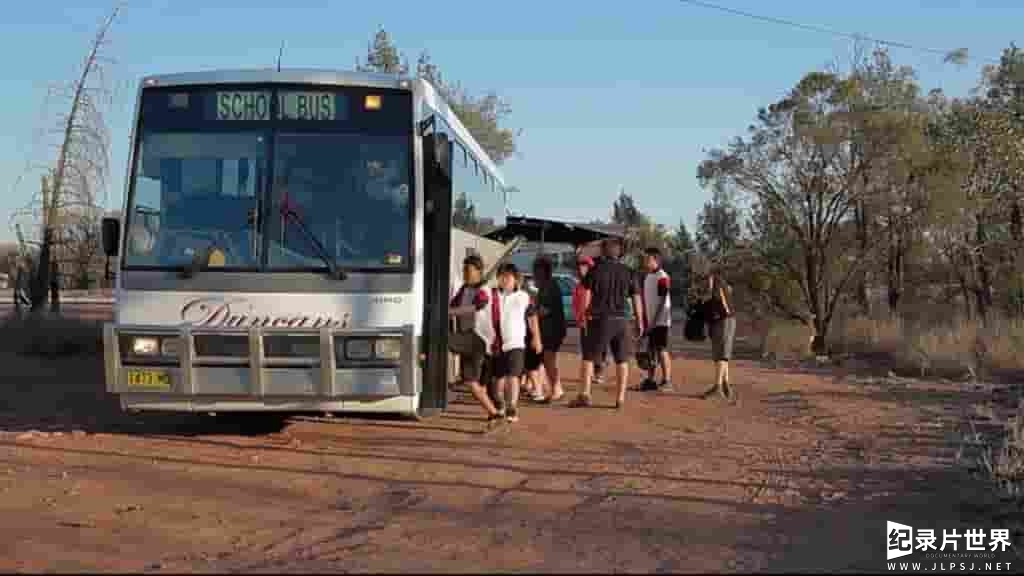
column 262, row 369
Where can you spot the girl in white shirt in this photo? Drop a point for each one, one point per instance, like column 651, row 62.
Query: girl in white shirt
column 511, row 309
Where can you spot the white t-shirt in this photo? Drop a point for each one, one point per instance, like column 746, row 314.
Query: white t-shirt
column 657, row 307
column 512, row 307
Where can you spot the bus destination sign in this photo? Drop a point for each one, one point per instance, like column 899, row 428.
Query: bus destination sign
column 255, row 106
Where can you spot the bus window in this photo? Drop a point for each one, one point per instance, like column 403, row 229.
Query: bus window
column 190, row 194
column 348, row 191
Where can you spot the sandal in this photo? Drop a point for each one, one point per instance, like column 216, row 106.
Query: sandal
column 580, row 401
column 710, row 392
column 729, row 393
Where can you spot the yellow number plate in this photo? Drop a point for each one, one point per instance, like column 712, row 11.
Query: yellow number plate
column 149, row 379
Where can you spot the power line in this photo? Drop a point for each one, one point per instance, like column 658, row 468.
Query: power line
column 829, row 31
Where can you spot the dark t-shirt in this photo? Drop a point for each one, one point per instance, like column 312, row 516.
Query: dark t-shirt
column 610, row 283
column 552, row 323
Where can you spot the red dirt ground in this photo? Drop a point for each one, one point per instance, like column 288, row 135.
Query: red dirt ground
column 802, row 475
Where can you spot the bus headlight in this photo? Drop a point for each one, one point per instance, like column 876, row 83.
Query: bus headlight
column 145, row 346
column 358, row 349
column 387, row 349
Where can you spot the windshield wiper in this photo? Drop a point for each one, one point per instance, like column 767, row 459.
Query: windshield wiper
column 335, row 271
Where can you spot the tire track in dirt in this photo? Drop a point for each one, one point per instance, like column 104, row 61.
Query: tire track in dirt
column 672, row 483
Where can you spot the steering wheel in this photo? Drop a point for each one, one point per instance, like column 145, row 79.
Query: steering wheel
column 169, row 244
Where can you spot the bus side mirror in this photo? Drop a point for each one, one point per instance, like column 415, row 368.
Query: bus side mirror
column 442, row 153
column 111, row 234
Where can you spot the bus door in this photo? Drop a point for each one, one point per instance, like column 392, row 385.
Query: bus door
column 437, row 201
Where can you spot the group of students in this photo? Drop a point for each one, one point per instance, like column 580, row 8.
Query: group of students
column 515, row 335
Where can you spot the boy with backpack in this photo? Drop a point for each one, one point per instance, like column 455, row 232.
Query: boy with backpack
column 474, row 332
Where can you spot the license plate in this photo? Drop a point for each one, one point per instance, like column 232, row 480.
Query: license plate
column 149, row 379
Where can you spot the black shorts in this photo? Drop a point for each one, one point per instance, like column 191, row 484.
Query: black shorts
column 472, row 351
column 472, row 367
column 657, row 338
column 605, row 333
column 552, row 338
column 510, row 364
column 532, row 360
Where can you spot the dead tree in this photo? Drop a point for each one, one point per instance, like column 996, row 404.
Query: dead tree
column 67, row 197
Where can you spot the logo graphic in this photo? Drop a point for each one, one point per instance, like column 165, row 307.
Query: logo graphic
column 238, row 312
column 899, row 540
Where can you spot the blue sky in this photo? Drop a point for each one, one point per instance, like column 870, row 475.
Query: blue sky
column 606, row 93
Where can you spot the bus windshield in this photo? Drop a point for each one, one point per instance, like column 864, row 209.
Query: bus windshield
column 268, row 192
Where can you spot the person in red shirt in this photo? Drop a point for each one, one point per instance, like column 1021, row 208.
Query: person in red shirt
column 584, row 264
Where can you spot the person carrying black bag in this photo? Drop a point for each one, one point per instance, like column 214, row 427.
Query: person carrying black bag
column 474, row 334
column 722, row 328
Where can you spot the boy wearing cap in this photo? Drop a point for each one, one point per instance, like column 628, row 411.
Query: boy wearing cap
column 584, row 264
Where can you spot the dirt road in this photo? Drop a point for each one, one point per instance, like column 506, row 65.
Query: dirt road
column 802, row 475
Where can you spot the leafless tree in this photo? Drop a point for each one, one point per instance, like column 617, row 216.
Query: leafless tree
column 67, row 197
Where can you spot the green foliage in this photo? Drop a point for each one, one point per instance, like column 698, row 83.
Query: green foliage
column 858, row 183
column 718, row 226
column 484, row 116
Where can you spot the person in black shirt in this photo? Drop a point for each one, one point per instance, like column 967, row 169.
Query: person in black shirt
column 607, row 287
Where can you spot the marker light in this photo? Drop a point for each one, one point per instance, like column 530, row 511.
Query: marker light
column 372, row 102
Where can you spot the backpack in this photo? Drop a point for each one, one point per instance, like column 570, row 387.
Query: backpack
column 696, row 323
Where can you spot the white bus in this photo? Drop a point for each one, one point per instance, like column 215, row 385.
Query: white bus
column 287, row 243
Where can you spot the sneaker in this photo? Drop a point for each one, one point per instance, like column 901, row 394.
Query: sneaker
column 665, row 386
column 513, row 415
column 538, row 397
column 648, row 385
column 598, row 379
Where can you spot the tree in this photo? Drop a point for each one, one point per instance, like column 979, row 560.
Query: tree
column 905, row 176
column 625, row 212
column 68, row 190
column 718, row 226
column 677, row 261
column 797, row 169
column 382, row 56
column 681, row 242
column 484, row 116
column 464, row 214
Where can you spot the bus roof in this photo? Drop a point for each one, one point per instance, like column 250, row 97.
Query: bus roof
column 337, row 78
column 283, row 76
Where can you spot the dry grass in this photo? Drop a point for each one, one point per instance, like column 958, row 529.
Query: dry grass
column 1003, row 460
column 781, row 339
column 51, row 336
column 956, row 348
column 996, row 454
